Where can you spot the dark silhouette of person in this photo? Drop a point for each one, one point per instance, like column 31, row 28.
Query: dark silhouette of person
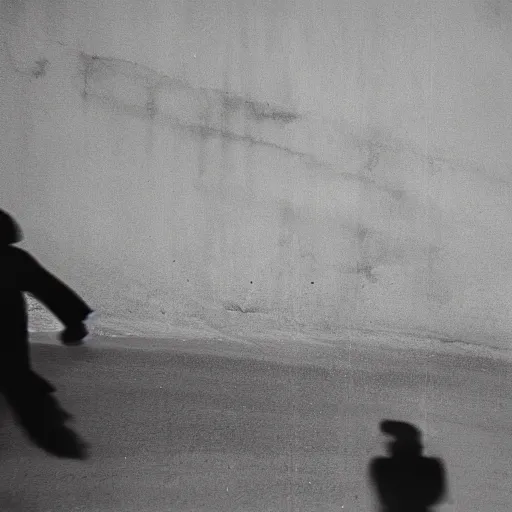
column 407, row 481
column 30, row 396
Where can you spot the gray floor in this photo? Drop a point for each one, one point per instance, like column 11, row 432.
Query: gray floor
column 290, row 431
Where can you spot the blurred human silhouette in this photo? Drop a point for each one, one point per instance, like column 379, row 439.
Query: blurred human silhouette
column 407, row 481
column 28, row 394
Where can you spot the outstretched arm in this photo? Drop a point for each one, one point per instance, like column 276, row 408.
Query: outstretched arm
column 63, row 302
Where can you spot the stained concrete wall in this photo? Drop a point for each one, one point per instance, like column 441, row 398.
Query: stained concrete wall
column 293, row 164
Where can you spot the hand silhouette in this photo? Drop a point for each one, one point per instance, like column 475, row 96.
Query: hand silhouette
column 74, row 334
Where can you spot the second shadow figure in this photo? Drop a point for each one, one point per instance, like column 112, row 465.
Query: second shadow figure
column 407, row 481
column 30, row 397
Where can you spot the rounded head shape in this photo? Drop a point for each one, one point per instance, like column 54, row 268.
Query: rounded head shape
column 10, row 231
column 407, row 438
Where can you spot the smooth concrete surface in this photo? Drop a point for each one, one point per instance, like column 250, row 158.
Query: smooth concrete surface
column 192, row 426
column 296, row 164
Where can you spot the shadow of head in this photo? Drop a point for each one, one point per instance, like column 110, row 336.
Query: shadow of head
column 406, row 481
column 10, row 231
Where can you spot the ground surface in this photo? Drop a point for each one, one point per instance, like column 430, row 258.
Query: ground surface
column 181, row 426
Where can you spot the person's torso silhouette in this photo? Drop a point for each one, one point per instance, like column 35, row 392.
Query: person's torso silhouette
column 20, row 272
column 28, row 394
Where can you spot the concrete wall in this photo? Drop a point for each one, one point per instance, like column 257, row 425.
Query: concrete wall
column 289, row 164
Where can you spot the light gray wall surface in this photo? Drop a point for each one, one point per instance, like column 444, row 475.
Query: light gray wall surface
column 254, row 165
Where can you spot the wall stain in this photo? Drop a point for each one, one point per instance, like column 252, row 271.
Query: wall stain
column 206, row 131
column 304, row 254
column 288, row 223
column 260, row 111
column 98, row 68
column 366, row 270
column 375, row 150
column 110, row 66
column 85, row 69
column 37, row 70
column 40, row 69
column 378, row 249
column 495, row 13
column 232, row 306
column 95, row 69
column 362, row 233
column 151, row 106
column 398, row 194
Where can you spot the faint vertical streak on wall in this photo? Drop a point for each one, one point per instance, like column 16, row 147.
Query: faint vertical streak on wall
column 222, row 199
column 151, row 108
column 364, row 263
column 286, row 262
column 437, row 289
column 247, row 78
column 428, row 123
column 85, row 70
column 290, row 33
column 433, row 253
column 16, row 110
column 428, row 88
column 361, row 233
